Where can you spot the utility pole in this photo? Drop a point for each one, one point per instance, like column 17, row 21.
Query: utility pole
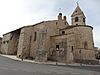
column 57, row 51
column 80, row 51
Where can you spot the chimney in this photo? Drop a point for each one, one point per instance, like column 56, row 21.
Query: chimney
column 64, row 18
column 60, row 16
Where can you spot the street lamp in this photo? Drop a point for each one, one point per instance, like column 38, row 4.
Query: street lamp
column 57, row 55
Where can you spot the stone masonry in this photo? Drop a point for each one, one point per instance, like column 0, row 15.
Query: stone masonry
column 61, row 42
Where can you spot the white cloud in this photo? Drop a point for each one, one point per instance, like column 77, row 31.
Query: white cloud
column 97, row 36
column 17, row 13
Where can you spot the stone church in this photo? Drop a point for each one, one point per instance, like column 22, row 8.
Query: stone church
column 53, row 40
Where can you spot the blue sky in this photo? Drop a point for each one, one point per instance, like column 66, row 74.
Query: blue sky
column 17, row 13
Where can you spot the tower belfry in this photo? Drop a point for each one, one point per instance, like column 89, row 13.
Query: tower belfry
column 78, row 17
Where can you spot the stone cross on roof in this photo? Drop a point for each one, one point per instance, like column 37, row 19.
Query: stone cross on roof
column 77, row 3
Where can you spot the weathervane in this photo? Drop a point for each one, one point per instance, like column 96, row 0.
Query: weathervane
column 77, row 3
column 59, row 9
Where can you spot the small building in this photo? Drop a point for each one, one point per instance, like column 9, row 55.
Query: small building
column 0, row 43
column 53, row 40
column 10, row 42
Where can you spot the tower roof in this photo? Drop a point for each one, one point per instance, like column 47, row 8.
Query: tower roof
column 77, row 11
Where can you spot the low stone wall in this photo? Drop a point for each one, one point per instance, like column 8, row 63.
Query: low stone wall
column 91, row 62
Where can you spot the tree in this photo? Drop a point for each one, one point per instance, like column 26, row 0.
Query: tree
column 97, row 55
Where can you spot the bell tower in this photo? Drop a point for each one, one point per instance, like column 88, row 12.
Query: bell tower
column 78, row 17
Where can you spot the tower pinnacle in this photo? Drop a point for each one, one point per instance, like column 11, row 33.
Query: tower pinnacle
column 78, row 17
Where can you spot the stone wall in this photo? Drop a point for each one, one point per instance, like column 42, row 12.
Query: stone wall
column 84, row 54
column 51, row 27
column 82, row 38
column 5, row 43
column 10, row 42
column 65, row 50
column 0, row 43
column 84, row 42
column 24, row 42
column 13, row 43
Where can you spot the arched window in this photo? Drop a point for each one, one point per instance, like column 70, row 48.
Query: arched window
column 85, row 45
column 76, row 19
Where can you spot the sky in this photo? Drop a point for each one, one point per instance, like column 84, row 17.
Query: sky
column 18, row 13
